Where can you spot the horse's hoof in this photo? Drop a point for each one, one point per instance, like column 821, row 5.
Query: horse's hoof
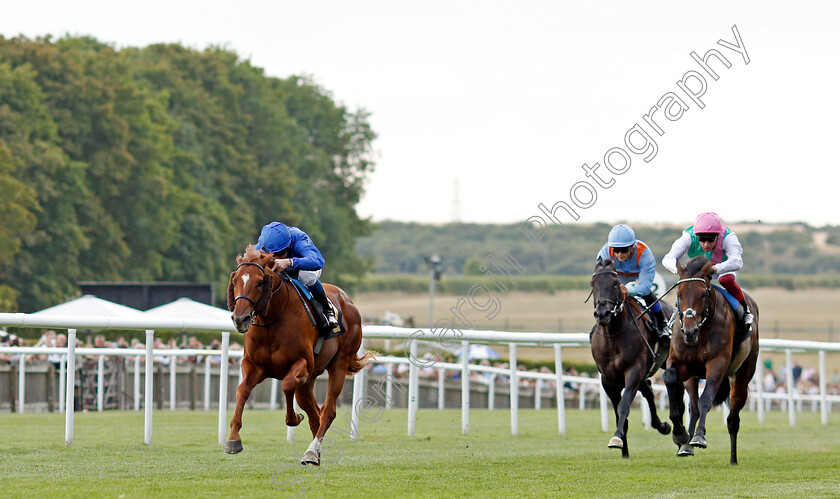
column 616, row 443
column 698, row 441
column 680, row 439
column 685, row 450
column 310, row 457
column 295, row 423
column 233, row 446
column 664, row 428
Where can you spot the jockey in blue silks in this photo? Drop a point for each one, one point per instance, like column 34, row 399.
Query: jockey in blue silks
column 294, row 252
column 636, row 267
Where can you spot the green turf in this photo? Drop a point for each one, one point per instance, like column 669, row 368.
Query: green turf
column 109, row 459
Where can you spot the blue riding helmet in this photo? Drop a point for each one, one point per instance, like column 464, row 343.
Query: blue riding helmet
column 274, row 237
column 621, row 236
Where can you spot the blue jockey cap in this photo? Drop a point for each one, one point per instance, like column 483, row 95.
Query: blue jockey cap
column 274, row 237
column 621, row 236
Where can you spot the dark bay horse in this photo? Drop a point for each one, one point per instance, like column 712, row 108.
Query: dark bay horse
column 704, row 346
column 623, row 350
column 279, row 343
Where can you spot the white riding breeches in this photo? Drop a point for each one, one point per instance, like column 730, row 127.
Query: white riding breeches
column 308, row 277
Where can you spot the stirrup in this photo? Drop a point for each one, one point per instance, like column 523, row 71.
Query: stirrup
column 330, row 320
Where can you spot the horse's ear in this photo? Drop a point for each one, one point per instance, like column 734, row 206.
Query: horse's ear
column 231, row 302
column 680, row 268
column 265, row 295
column 239, row 258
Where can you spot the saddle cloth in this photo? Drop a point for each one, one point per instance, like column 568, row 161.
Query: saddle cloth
column 323, row 334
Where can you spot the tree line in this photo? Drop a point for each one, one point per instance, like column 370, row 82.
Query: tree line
column 161, row 163
column 788, row 255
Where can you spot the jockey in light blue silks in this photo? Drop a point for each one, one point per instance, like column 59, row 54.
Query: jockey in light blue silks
column 294, row 252
column 636, row 267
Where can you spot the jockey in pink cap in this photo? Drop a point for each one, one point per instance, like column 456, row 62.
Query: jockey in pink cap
column 710, row 238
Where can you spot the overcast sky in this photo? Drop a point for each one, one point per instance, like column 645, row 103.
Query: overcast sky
column 507, row 100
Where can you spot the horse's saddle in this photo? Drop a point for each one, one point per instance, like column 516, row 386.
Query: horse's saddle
column 309, row 304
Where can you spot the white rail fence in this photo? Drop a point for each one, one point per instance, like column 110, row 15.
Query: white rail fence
column 791, row 399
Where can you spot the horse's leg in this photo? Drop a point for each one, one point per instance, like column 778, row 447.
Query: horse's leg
column 692, row 386
column 251, row 377
column 737, row 399
column 675, row 400
column 632, row 378
column 306, row 400
column 334, row 387
column 614, row 394
column 715, row 376
column 647, row 392
column 297, row 374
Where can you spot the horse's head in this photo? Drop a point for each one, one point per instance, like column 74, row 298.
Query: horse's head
column 606, row 291
column 250, row 287
column 693, row 292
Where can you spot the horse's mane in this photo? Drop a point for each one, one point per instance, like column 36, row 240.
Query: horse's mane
column 251, row 253
column 695, row 265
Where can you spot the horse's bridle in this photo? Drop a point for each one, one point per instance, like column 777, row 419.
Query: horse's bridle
column 690, row 312
column 262, row 290
column 618, row 305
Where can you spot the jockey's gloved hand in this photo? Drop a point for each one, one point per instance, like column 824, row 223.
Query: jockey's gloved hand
column 631, row 288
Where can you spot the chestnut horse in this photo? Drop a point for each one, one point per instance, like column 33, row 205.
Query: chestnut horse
column 279, row 343
column 704, row 345
column 623, row 351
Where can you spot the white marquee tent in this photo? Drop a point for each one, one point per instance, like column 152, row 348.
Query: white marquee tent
column 91, row 306
column 189, row 309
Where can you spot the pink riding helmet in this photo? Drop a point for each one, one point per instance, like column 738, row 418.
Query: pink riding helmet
column 708, row 222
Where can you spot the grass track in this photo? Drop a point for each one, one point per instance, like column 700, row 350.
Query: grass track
column 108, row 458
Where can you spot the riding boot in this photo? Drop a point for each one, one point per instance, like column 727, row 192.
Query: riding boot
column 664, row 330
column 330, row 321
column 748, row 317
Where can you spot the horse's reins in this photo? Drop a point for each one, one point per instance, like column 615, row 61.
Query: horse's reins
column 690, row 310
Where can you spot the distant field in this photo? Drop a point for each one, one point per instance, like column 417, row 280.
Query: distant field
column 805, row 314
column 109, row 459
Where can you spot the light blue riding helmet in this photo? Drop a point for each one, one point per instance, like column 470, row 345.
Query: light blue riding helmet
column 274, row 237
column 621, row 236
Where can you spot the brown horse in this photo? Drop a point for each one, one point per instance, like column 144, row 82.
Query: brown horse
column 704, row 346
column 280, row 340
column 623, row 350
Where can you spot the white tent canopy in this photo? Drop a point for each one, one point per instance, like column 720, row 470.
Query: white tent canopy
column 89, row 305
column 189, row 309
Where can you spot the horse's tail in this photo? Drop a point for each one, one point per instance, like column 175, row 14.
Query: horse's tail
column 722, row 393
column 359, row 363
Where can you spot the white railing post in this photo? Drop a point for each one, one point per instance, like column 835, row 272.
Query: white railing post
column 137, row 383
column 823, row 391
column 70, row 399
column 514, row 393
column 441, row 389
column 605, row 422
column 560, row 388
column 582, row 388
column 465, row 388
column 412, row 388
column 21, row 383
column 491, row 393
column 646, row 416
column 100, row 383
column 759, row 372
column 223, row 385
column 173, row 382
column 272, row 401
column 358, row 396
column 538, row 394
column 150, row 380
column 389, row 386
column 207, row 380
column 790, row 388
column 62, row 373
